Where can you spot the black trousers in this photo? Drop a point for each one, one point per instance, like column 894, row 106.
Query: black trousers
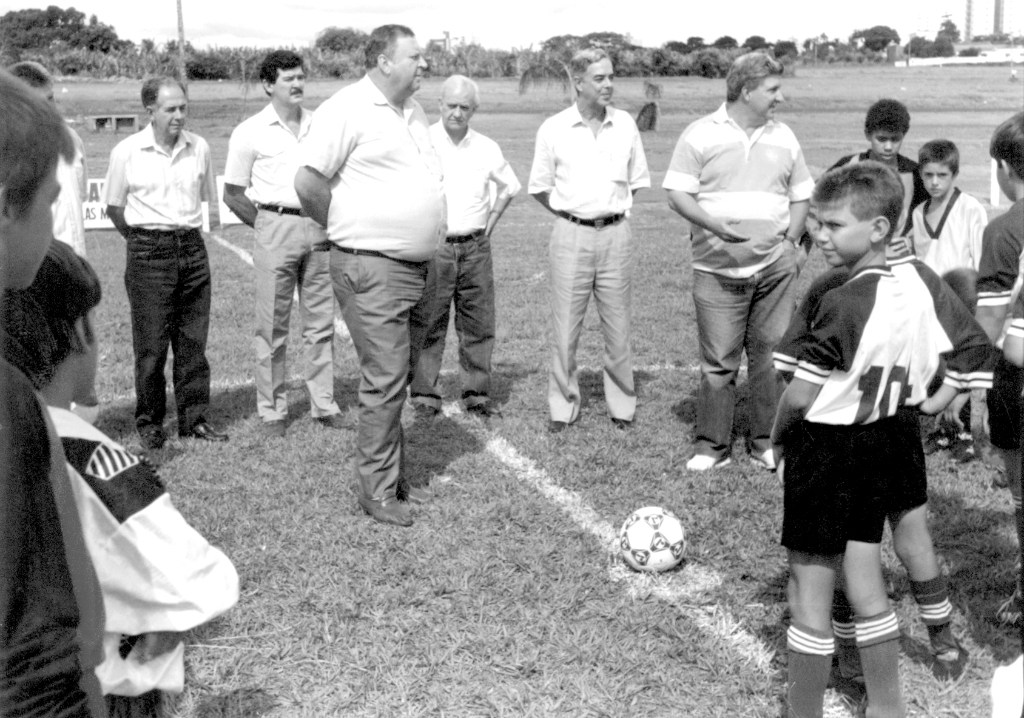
column 167, row 276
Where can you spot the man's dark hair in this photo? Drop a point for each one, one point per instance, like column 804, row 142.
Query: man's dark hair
column 382, row 42
column 32, row 137
column 277, row 61
column 1008, row 144
column 151, row 89
column 32, row 73
column 887, row 116
column 869, row 188
column 941, row 152
column 39, row 323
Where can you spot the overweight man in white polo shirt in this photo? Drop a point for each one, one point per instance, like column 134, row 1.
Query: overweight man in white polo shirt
column 473, row 165
column 369, row 174
column 588, row 164
column 156, row 182
column 291, row 250
column 738, row 176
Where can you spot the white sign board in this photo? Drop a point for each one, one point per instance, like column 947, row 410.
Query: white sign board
column 226, row 215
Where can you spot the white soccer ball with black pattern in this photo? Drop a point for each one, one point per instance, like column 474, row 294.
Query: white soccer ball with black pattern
column 652, row 539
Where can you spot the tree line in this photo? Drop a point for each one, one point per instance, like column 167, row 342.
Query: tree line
column 69, row 44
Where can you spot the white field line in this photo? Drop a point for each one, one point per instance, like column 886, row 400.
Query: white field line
column 339, row 326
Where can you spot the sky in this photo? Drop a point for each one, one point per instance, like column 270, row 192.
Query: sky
column 507, row 24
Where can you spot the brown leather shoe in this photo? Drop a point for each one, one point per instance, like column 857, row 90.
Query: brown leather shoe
column 387, row 511
column 485, row 410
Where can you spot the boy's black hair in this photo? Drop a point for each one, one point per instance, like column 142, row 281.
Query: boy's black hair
column 870, row 188
column 888, row 116
column 32, row 137
column 32, row 73
column 39, row 322
column 277, row 61
column 940, row 152
column 1008, row 144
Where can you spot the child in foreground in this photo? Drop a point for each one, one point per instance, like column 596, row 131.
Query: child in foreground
column 157, row 575
column 847, row 428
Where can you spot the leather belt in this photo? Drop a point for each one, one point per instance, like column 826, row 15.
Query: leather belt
column 598, row 223
column 181, row 232
column 373, row 253
column 462, row 238
column 324, row 246
column 280, row 210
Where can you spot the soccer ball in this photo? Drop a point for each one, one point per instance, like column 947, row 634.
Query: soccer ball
column 652, row 539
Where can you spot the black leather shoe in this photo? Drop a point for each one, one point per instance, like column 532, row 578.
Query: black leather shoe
column 622, row 424
column 426, row 413
column 557, row 427
column 486, row 410
column 418, row 495
column 387, row 511
column 334, row 421
column 204, row 432
column 152, row 438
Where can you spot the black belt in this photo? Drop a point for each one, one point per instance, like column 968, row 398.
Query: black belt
column 598, row 223
column 372, row 253
column 182, row 232
column 324, row 246
column 279, row 210
column 462, row 238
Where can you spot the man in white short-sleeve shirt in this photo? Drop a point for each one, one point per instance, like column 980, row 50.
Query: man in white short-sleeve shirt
column 369, row 174
column 588, row 164
column 291, row 250
column 738, row 176
column 156, row 182
column 473, row 166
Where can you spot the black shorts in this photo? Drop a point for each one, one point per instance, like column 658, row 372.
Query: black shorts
column 1003, row 401
column 842, row 482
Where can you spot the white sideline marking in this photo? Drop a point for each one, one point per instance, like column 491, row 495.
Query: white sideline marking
column 339, row 325
column 680, row 593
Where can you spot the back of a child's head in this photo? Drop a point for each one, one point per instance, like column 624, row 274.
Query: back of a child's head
column 868, row 188
column 32, row 137
column 887, row 116
column 1007, row 144
column 39, row 322
column 940, row 152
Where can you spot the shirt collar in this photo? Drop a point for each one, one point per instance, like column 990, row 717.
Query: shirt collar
column 467, row 140
column 377, row 97
column 179, row 144
column 721, row 116
column 269, row 115
column 575, row 118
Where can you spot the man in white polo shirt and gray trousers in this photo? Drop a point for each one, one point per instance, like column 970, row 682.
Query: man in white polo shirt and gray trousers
column 369, row 174
column 588, row 164
column 738, row 176
column 291, row 250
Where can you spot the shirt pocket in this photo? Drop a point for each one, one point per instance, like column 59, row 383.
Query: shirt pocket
column 613, row 163
column 272, row 145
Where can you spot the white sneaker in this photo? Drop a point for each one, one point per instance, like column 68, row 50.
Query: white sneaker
column 767, row 459
column 703, row 462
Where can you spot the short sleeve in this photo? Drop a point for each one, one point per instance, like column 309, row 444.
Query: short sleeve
column 639, row 174
column 685, row 166
column 241, row 156
column 542, row 173
column 801, row 184
column 331, row 137
column 116, row 188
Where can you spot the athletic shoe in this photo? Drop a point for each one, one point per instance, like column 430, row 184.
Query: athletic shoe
column 950, row 661
column 1008, row 612
column 703, row 462
column 962, row 448
column 936, row 441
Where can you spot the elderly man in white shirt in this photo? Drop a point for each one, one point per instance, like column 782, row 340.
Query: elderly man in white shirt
column 369, row 174
column 291, row 249
column 588, row 164
column 473, row 165
column 156, row 182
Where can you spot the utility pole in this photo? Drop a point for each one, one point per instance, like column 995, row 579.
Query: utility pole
column 181, row 47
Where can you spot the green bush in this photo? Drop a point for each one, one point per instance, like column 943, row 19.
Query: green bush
column 209, row 66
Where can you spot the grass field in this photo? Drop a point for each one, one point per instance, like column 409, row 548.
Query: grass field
column 506, row 597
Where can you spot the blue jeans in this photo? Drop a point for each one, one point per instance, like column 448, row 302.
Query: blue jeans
column 733, row 315
column 464, row 274
column 167, row 277
column 383, row 302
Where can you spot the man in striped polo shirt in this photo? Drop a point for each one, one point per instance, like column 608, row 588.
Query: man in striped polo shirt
column 739, row 178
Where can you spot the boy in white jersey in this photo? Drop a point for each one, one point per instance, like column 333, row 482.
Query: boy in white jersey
column 861, row 366
column 947, row 231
